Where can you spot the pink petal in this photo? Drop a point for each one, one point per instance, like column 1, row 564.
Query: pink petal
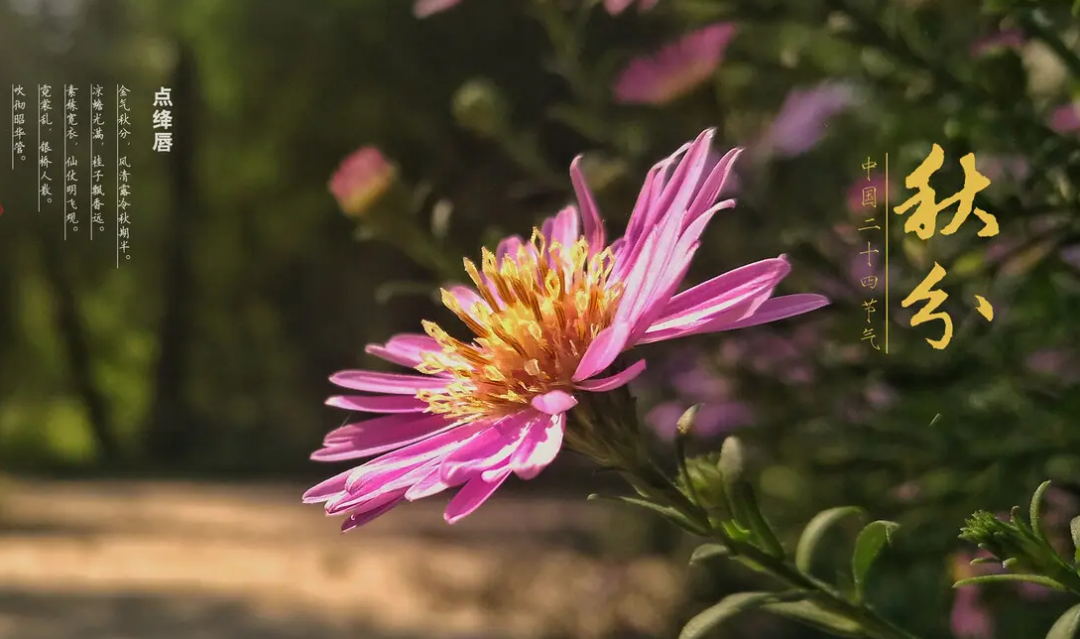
column 615, row 7
column 377, row 436
column 378, row 403
column 554, row 402
column 426, row 8
column 540, row 446
column 564, row 228
column 771, row 310
column 431, row 484
column 414, row 455
column 605, row 384
column 591, row 222
column 508, row 246
column 393, row 383
column 602, row 352
column 472, row 496
column 404, row 349
column 724, row 292
column 491, row 448
column 359, row 519
column 326, row 489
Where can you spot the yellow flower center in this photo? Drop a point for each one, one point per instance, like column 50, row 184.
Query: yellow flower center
column 551, row 304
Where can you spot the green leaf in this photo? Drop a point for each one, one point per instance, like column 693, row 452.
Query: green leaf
column 730, row 606
column 810, row 613
column 1074, row 528
column 1035, row 508
column 744, row 503
column 669, row 513
column 867, row 547
column 815, row 531
column 1068, row 624
column 1011, row 577
column 705, row 552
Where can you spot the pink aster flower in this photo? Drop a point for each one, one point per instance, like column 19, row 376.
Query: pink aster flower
column 1000, row 41
column 362, row 177
column 676, row 68
column 615, row 7
column 804, row 117
column 550, row 317
column 1065, row 118
column 425, row 8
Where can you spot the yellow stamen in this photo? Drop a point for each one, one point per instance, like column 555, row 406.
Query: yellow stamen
column 552, row 302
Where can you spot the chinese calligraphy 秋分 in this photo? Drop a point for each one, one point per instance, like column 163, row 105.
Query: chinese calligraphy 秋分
column 923, row 222
column 123, row 176
column 162, row 119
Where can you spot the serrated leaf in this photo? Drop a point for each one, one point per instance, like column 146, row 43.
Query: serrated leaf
column 815, row 531
column 728, row 607
column 706, row 552
column 1035, row 510
column 868, row 545
column 1067, row 625
column 811, row 614
column 1011, row 577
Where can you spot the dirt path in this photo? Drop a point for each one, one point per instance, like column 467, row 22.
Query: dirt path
column 184, row 561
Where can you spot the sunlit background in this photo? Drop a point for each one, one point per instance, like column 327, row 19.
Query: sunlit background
column 156, row 419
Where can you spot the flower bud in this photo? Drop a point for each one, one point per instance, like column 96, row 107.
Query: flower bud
column 363, row 177
column 480, row 107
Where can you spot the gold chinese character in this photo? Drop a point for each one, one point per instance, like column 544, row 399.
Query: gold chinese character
column 869, row 196
column 867, row 253
column 925, row 292
column 870, row 281
column 869, row 306
column 924, row 220
column 868, row 335
column 984, row 308
column 867, row 165
column 869, row 228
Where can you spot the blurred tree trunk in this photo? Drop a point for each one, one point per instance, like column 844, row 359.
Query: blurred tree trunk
column 169, row 431
column 69, row 323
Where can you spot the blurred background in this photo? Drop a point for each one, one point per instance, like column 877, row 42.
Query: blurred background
column 156, row 419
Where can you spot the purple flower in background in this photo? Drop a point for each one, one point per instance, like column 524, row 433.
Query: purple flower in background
column 676, row 68
column 550, row 317
column 1058, row 363
column 804, row 117
column 1066, row 118
column 713, row 419
column 1071, row 255
column 970, row 618
column 1000, row 41
column 615, row 7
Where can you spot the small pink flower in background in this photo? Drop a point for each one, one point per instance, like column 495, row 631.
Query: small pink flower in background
column 1058, row 363
column 804, row 117
column 676, row 68
column 1008, row 167
column 1002, row 40
column 970, row 618
column 615, row 7
column 1066, row 118
column 361, row 179
column 860, row 195
column 425, row 8
column 1071, row 255
column 480, row 411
